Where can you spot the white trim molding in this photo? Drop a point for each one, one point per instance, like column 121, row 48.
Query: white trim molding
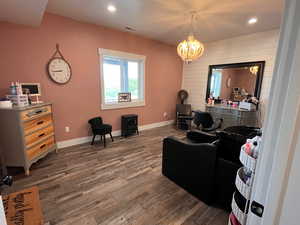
column 123, row 105
column 141, row 60
column 120, row 54
column 82, row 140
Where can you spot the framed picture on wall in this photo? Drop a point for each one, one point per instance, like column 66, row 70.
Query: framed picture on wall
column 124, row 97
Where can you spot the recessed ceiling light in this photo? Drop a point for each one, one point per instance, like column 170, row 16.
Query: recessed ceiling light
column 252, row 21
column 111, row 8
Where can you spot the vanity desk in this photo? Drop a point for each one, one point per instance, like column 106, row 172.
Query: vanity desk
column 233, row 116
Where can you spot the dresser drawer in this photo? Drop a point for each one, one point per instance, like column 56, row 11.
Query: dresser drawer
column 40, row 148
column 37, row 136
column 36, row 112
column 38, row 123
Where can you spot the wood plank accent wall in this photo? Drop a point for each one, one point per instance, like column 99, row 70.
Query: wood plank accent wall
column 254, row 47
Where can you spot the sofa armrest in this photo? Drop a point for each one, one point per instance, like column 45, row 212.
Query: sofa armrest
column 225, row 182
column 197, row 136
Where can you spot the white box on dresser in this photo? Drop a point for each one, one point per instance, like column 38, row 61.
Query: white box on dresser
column 247, row 106
column 26, row 134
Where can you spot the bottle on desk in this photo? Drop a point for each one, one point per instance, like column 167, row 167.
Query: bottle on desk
column 13, row 89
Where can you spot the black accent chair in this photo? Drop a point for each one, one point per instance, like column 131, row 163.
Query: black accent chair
column 206, row 121
column 184, row 116
column 206, row 170
column 99, row 128
column 191, row 166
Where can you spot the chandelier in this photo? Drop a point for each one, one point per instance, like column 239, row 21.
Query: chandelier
column 254, row 69
column 190, row 49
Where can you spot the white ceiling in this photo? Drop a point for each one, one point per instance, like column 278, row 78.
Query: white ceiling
column 28, row 12
column 164, row 20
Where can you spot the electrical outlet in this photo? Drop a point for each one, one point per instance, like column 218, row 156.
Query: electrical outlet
column 165, row 114
column 67, row 129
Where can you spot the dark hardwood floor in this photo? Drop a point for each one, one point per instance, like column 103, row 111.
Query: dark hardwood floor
column 119, row 185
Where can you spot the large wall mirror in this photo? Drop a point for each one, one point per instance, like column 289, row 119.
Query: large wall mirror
column 235, row 81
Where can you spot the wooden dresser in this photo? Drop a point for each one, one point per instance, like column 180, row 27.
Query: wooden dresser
column 26, row 134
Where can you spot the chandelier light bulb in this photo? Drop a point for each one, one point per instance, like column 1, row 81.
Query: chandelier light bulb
column 190, row 49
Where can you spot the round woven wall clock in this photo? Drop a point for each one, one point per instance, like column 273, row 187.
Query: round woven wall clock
column 58, row 68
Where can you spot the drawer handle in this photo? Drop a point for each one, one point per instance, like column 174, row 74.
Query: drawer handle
column 41, row 135
column 43, row 146
column 32, row 113
column 40, row 122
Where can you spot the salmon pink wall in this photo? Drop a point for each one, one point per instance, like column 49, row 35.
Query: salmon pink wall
column 25, row 51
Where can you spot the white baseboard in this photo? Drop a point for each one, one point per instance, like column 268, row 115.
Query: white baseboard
column 82, row 140
column 154, row 125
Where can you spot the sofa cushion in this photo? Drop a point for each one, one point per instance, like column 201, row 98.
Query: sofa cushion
column 231, row 140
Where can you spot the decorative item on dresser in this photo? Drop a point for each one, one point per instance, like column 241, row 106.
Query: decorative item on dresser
column 26, row 134
column 129, row 125
column 32, row 90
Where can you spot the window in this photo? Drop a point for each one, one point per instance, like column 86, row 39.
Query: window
column 215, row 83
column 121, row 72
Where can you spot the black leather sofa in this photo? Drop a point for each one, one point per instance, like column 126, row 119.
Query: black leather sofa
column 191, row 166
column 206, row 165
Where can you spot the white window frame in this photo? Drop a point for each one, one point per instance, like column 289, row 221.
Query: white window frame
column 127, row 56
